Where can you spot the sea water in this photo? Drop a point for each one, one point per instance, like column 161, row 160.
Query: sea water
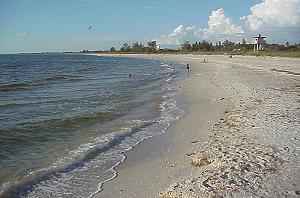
column 67, row 120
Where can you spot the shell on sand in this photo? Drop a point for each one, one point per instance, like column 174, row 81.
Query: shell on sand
column 200, row 159
column 168, row 195
column 233, row 119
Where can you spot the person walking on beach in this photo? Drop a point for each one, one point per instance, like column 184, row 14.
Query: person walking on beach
column 188, row 67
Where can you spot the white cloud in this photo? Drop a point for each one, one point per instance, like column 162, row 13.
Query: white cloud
column 273, row 13
column 179, row 35
column 219, row 27
column 277, row 19
column 219, row 23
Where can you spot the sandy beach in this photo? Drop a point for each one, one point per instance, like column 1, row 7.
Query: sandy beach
column 239, row 136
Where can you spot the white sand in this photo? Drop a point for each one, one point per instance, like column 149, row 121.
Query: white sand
column 243, row 113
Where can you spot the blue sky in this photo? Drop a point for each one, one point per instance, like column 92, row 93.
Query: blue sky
column 60, row 25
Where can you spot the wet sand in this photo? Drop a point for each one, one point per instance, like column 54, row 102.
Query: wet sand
column 238, row 138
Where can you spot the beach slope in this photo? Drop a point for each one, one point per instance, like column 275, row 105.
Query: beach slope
column 238, row 138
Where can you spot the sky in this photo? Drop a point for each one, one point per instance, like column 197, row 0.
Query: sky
column 73, row 25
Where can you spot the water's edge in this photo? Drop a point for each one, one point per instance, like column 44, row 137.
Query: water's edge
column 170, row 112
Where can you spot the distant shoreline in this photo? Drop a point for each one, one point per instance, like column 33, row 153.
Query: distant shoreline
column 295, row 54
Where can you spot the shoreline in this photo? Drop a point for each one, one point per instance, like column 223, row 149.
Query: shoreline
column 224, row 98
column 161, row 153
column 264, row 53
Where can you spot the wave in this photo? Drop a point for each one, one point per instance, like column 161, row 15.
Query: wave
column 70, row 121
column 51, row 100
column 61, row 77
column 29, row 85
column 87, row 153
column 50, row 129
column 84, row 166
column 15, row 87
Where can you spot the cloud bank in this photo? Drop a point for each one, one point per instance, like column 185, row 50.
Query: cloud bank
column 219, row 23
column 219, row 26
column 281, row 18
column 274, row 13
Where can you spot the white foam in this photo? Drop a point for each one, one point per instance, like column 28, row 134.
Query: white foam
column 88, row 180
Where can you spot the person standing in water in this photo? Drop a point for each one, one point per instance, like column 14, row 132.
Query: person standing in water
column 188, row 67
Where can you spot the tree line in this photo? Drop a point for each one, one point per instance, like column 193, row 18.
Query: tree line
column 204, row 46
column 137, row 47
column 229, row 46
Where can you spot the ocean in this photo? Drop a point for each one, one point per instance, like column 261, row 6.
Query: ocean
column 67, row 120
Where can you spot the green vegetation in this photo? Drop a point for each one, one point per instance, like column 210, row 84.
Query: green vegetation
column 138, row 48
column 209, row 48
column 228, row 47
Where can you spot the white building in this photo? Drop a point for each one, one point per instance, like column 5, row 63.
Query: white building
column 259, row 42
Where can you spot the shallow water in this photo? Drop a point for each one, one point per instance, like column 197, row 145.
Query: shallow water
column 67, row 120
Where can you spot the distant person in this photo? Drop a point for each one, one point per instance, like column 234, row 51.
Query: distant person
column 130, row 75
column 188, row 67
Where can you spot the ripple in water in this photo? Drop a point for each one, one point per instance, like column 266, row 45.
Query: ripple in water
column 63, row 136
